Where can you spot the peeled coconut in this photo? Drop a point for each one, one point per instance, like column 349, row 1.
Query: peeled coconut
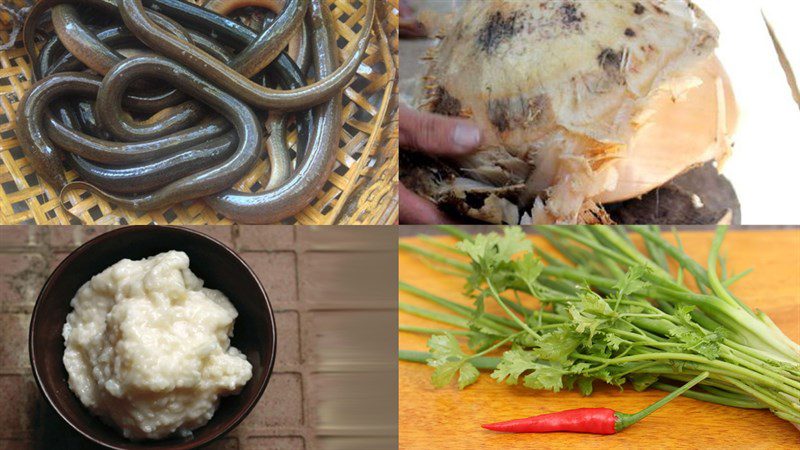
column 582, row 103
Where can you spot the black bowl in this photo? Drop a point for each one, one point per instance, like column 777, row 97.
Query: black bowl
column 220, row 267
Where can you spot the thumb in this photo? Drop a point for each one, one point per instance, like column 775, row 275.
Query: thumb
column 437, row 135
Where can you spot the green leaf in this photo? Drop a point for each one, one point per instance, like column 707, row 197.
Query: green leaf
column 444, row 373
column 613, row 341
column 642, row 381
column 488, row 251
column 545, row 377
column 445, row 346
column 467, row 375
column 585, row 386
column 557, row 345
column 528, row 268
column 684, row 313
column 632, row 282
column 513, row 364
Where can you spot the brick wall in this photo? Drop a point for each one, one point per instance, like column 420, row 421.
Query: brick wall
column 334, row 294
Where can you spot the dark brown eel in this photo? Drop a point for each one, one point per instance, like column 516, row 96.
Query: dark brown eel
column 206, row 182
column 122, row 153
column 40, row 151
column 151, row 175
column 120, row 36
column 299, row 48
column 135, row 17
column 298, row 192
column 271, row 41
column 314, row 163
column 86, row 46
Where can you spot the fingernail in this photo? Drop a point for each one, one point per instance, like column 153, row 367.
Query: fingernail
column 467, row 137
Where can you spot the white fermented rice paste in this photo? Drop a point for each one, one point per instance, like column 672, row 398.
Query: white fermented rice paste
column 148, row 347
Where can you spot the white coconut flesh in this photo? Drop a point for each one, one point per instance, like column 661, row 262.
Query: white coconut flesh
column 681, row 133
column 600, row 100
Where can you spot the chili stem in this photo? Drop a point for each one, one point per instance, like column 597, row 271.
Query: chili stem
column 626, row 420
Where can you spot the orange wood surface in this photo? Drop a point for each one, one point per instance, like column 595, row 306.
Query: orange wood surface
column 448, row 418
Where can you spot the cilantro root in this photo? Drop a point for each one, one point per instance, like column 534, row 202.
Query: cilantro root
column 607, row 312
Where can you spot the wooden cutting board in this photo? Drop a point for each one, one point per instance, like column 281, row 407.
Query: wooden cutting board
column 450, row 419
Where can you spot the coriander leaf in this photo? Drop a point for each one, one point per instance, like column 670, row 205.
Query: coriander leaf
column 593, row 303
column 489, row 250
column 514, row 241
column 585, row 386
column 642, row 381
column 444, row 347
column 528, row 268
column 545, row 377
column 613, row 341
column 684, row 313
column 467, row 375
column 578, row 368
column 444, row 373
column 632, row 282
column 513, row 364
column 557, row 345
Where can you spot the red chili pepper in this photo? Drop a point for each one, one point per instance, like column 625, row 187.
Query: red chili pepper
column 587, row 420
column 581, row 420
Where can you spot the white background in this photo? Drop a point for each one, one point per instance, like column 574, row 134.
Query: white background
column 765, row 165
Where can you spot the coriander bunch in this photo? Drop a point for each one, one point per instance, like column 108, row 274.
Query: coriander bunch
column 606, row 312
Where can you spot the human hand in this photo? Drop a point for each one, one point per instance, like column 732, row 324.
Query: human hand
column 410, row 27
column 438, row 136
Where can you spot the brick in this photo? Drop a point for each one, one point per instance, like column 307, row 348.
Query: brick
column 288, row 329
column 228, row 443
column 261, row 238
column 14, row 236
column 221, row 233
column 353, row 337
column 21, row 278
column 356, row 400
column 14, row 341
column 361, row 279
column 63, row 236
column 16, row 444
column 276, row 272
column 281, row 404
column 347, row 238
column 91, row 232
column 69, row 237
column 275, row 443
column 19, row 391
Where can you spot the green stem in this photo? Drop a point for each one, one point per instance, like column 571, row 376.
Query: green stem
column 497, row 323
column 720, row 365
column 456, row 232
column 483, row 362
column 434, row 315
column 461, row 265
column 423, row 330
column 626, row 420
column 713, row 279
column 503, row 305
column 711, row 398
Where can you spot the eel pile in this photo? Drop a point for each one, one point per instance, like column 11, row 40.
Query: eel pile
column 156, row 102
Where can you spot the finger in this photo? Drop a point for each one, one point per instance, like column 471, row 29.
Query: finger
column 414, row 210
column 411, row 28
column 437, row 135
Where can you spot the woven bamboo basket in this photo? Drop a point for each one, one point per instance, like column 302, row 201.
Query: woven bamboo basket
column 361, row 190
